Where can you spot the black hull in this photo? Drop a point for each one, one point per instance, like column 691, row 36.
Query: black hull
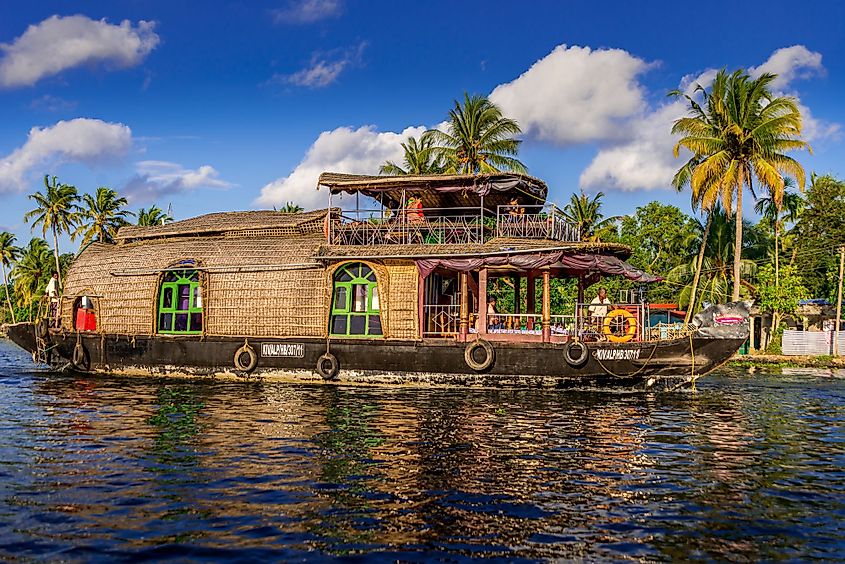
column 666, row 364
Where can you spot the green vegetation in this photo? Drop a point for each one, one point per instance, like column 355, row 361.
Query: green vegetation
column 737, row 133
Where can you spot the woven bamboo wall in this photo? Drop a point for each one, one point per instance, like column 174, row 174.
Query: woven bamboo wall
column 273, row 302
column 404, row 322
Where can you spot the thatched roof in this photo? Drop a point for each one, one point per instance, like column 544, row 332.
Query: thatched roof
column 230, row 222
column 442, row 190
column 496, row 246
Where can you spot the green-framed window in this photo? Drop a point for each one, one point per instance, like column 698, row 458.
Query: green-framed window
column 355, row 302
column 180, row 303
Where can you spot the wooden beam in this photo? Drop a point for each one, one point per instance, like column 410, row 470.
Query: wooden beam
column 482, row 301
column 464, row 319
column 547, row 307
column 531, row 306
column 517, row 294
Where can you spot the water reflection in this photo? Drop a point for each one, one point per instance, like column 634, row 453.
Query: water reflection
column 745, row 469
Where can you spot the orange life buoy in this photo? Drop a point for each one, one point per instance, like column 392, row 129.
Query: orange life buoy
column 629, row 321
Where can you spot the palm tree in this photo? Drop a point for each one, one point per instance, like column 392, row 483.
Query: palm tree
column 771, row 211
column 153, row 216
column 291, row 207
column 478, row 139
column 585, row 214
column 712, row 269
column 8, row 254
column 740, row 131
column 56, row 210
column 31, row 273
column 421, row 157
column 102, row 217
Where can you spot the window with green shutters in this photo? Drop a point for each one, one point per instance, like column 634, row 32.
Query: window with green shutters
column 180, row 303
column 355, row 302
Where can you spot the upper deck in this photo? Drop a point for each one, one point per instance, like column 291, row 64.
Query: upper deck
column 444, row 209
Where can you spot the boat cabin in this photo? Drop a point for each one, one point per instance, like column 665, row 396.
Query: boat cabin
column 407, row 258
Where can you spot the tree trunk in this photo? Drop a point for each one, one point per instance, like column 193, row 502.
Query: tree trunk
column 777, row 261
column 698, row 264
column 56, row 253
column 775, row 323
column 8, row 299
column 738, row 241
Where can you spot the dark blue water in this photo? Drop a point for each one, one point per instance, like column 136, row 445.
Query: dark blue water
column 748, row 468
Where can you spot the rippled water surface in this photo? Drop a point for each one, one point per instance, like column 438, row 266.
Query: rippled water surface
column 747, row 468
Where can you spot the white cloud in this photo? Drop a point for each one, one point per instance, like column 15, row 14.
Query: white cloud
column 50, row 103
column 324, row 68
column 354, row 151
column 307, row 11
column 82, row 140
column 575, row 95
column 789, row 64
column 644, row 160
column 59, row 43
column 319, row 74
column 159, row 178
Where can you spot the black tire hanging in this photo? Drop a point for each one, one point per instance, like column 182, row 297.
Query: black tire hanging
column 80, row 359
column 328, row 367
column 42, row 328
column 489, row 355
column 576, row 353
column 245, row 359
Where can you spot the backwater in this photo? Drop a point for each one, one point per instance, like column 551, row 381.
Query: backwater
column 749, row 467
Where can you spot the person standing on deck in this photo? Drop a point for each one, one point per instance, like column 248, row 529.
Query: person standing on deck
column 598, row 309
column 52, row 293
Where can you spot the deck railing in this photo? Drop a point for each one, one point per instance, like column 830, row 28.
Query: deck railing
column 447, row 226
column 534, row 222
column 441, row 320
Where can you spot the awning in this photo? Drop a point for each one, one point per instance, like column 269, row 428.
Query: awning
column 592, row 267
column 442, row 191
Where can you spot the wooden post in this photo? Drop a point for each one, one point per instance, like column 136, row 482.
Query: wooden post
column 751, row 333
column 581, row 289
column 531, row 306
column 517, row 294
column 464, row 319
column 482, row 301
column 421, row 302
column 547, row 307
column 838, row 301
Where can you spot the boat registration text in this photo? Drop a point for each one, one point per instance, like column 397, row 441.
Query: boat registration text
column 617, row 354
column 283, row 349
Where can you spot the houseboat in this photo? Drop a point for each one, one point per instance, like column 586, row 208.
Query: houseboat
column 396, row 292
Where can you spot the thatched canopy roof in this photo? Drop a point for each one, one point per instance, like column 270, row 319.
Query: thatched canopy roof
column 442, row 191
column 228, row 222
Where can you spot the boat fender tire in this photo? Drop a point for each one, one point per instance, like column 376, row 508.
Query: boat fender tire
column 245, row 359
column 489, row 355
column 328, row 367
column 576, row 353
column 80, row 358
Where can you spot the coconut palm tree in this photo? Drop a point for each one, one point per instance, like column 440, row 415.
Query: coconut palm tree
column 291, row 207
column 772, row 212
column 32, row 272
column 714, row 267
column 585, row 213
column 739, row 132
column 478, row 139
column 152, row 216
column 102, row 216
column 8, row 254
column 57, row 211
column 421, row 157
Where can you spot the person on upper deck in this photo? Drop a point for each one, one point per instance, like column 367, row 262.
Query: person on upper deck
column 414, row 210
column 515, row 211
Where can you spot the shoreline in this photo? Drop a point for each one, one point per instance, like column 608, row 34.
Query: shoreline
column 783, row 361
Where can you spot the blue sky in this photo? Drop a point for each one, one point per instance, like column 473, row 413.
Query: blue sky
column 239, row 105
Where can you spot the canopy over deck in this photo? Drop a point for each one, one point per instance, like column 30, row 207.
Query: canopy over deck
column 442, row 191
